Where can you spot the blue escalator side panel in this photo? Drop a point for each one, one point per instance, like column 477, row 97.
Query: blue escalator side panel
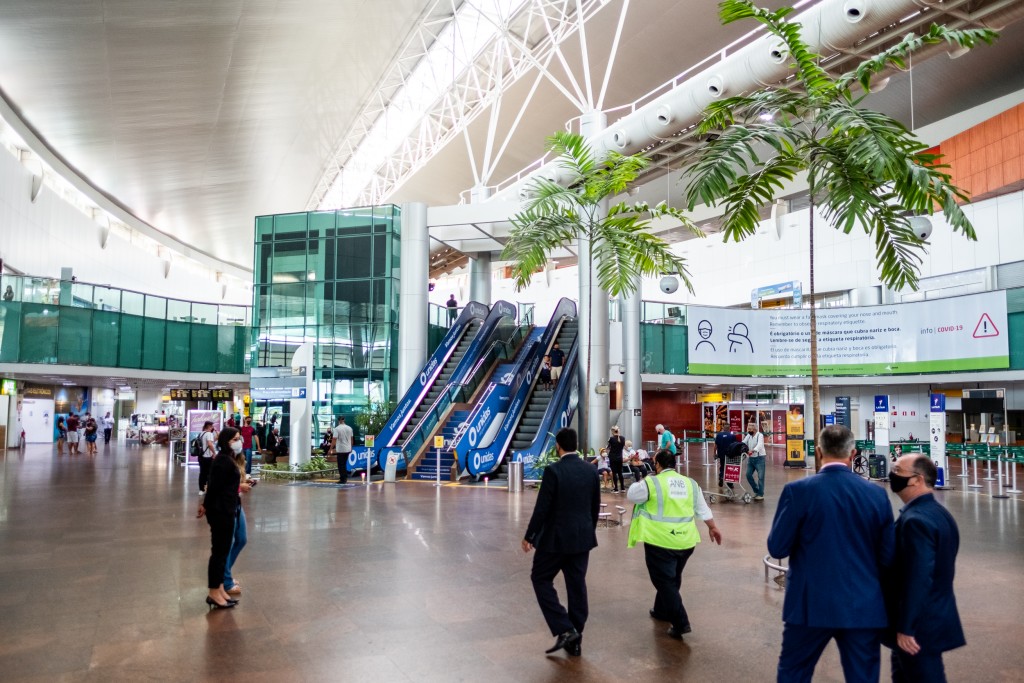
column 428, row 466
column 483, row 340
column 487, row 458
column 412, row 398
column 559, row 414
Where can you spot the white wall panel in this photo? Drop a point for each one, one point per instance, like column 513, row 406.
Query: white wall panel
column 41, row 237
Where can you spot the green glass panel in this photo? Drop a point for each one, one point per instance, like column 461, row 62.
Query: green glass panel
column 153, row 335
column 204, row 314
column 130, row 351
column 179, row 310
column 264, row 228
column 107, row 298
column 652, row 349
column 73, row 335
column 290, row 226
column 177, row 346
column 230, row 348
column 353, row 223
column 1015, row 323
column 156, row 307
column 106, row 331
column 10, row 331
column 133, row 303
column 204, row 348
column 675, row 349
column 39, row 329
column 354, row 257
column 321, row 224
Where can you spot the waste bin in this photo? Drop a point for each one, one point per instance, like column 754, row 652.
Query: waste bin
column 515, row 476
column 877, row 467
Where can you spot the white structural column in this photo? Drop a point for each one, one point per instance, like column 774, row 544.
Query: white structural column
column 480, row 277
column 632, row 385
column 480, row 263
column 593, row 327
column 300, row 408
column 412, row 289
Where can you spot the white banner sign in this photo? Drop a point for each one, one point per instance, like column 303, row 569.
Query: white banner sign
column 948, row 335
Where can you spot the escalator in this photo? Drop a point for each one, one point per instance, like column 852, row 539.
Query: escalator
column 515, row 404
column 432, row 379
column 407, row 432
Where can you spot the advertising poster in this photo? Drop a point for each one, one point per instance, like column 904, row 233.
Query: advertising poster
column 764, row 421
column 709, row 421
column 721, row 417
column 748, row 417
column 949, row 335
column 779, row 427
column 735, row 421
column 795, row 456
column 843, row 411
column 882, row 424
column 195, row 421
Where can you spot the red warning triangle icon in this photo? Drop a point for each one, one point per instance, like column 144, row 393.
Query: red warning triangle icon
column 985, row 327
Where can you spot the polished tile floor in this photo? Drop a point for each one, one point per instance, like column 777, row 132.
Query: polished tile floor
column 102, row 573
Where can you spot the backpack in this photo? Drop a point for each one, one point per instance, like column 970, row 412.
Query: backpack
column 196, row 448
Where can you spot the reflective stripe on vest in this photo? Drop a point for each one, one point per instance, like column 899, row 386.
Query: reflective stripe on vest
column 659, row 495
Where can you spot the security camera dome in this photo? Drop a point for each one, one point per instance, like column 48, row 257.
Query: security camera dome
column 922, row 227
column 669, row 284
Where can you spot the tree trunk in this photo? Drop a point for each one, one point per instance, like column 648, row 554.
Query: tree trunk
column 815, row 389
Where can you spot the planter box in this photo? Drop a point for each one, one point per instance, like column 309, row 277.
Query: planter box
column 289, row 475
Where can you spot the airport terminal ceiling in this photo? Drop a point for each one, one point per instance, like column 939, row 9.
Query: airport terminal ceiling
column 197, row 116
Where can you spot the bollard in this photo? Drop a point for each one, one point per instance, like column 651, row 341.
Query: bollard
column 515, row 476
column 974, row 467
column 999, row 476
column 963, row 466
column 1011, row 462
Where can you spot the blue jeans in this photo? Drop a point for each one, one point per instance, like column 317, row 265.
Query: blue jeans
column 237, row 543
column 248, row 461
column 756, row 463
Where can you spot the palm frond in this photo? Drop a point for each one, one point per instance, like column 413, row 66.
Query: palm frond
column 895, row 56
column 752, row 191
column 815, row 80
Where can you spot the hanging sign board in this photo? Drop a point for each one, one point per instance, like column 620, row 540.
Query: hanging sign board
column 949, row 335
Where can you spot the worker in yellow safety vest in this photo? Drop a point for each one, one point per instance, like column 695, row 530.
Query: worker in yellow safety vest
column 664, row 509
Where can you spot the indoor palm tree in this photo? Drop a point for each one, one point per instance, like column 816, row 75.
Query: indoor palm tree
column 863, row 168
column 621, row 244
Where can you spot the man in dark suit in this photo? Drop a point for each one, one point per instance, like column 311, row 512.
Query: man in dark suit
column 562, row 532
column 837, row 530
column 923, row 607
column 724, row 441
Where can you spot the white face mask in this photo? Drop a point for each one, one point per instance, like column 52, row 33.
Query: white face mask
column 236, row 446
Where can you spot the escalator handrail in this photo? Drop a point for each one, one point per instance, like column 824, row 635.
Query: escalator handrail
column 562, row 396
column 472, row 312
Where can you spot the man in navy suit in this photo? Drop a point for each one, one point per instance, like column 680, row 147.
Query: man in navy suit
column 562, row 529
column 924, row 614
column 837, row 530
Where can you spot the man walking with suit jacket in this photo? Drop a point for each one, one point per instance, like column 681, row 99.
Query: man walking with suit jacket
column 837, row 530
column 925, row 617
column 562, row 531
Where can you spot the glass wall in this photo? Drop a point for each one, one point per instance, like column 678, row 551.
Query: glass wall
column 331, row 278
column 43, row 320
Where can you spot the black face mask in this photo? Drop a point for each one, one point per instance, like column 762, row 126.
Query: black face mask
column 897, row 482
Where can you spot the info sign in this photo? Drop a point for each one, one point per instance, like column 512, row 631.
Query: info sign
column 949, row 335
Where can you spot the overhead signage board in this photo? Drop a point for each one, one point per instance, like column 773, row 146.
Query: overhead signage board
column 773, row 296
column 201, row 394
column 948, row 335
column 8, row 387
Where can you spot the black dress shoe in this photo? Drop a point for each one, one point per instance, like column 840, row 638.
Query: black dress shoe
column 655, row 615
column 564, row 641
column 678, row 633
column 575, row 649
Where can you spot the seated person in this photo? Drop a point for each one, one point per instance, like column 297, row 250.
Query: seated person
column 637, row 467
column 628, row 451
column 604, row 468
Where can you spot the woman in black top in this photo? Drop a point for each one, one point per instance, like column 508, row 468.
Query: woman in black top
column 615, row 445
column 221, row 508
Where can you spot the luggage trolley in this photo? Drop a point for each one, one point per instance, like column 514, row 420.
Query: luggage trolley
column 732, row 478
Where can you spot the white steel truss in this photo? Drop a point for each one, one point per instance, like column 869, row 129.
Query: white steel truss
column 465, row 54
